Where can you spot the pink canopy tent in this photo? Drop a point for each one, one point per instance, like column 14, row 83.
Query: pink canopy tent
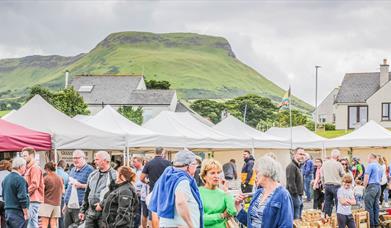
column 14, row 137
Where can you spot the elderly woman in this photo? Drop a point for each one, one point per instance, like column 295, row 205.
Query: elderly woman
column 218, row 205
column 271, row 205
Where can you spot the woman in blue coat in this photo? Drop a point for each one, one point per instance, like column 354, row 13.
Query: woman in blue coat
column 271, row 205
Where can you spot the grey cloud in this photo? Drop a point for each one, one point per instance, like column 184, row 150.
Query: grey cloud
column 276, row 38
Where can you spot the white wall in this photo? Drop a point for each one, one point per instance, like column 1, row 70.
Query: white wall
column 375, row 105
column 341, row 116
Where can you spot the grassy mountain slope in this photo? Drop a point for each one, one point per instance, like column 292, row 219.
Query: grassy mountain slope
column 197, row 66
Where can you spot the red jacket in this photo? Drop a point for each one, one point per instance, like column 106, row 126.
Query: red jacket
column 35, row 183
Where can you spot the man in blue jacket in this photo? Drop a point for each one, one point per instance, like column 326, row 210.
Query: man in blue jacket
column 308, row 174
column 15, row 195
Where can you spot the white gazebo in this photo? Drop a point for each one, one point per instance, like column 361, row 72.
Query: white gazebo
column 301, row 137
column 369, row 135
column 235, row 127
column 197, row 134
column 66, row 132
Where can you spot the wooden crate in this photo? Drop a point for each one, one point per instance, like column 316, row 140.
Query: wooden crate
column 362, row 219
column 385, row 221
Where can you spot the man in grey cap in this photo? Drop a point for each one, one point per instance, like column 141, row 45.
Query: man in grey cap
column 175, row 197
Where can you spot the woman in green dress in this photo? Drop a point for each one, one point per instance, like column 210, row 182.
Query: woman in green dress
column 218, row 205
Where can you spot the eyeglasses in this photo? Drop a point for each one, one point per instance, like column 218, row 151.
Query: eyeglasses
column 344, row 164
column 77, row 158
column 194, row 163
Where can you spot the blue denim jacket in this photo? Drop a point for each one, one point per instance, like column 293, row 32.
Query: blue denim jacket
column 278, row 212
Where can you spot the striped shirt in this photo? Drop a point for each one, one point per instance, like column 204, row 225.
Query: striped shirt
column 256, row 213
column 81, row 176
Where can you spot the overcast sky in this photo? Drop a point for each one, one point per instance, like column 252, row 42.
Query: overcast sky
column 282, row 40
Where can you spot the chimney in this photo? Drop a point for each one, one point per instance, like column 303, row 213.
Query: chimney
column 66, row 78
column 384, row 75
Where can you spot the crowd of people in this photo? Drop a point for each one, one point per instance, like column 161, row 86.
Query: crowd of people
column 188, row 191
column 337, row 182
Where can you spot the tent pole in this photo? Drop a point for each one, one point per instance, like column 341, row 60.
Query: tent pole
column 55, row 155
column 128, row 155
column 124, row 156
column 252, row 149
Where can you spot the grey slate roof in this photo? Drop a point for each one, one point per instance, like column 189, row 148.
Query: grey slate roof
column 358, row 87
column 151, row 97
column 119, row 90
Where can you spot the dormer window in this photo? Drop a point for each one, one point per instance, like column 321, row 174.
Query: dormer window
column 85, row 88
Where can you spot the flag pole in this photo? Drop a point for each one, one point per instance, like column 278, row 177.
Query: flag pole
column 290, row 116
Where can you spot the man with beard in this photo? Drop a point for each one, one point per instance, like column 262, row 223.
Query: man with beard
column 248, row 177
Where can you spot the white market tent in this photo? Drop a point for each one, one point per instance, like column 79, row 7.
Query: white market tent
column 197, row 134
column 82, row 118
column 235, row 127
column 66, row 132
column 108, row 119
column 301, row 137
column 369, row 135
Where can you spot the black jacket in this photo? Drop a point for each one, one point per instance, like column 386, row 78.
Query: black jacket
column 294, row 179
column 247, row 171
column 120, row 206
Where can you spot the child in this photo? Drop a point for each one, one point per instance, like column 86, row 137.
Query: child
column 359, row 192
column 345, row 201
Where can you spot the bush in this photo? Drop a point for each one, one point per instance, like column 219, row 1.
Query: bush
column 310, row 125
column 329, row 127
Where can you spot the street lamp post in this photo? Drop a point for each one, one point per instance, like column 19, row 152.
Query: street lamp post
column 316, row 97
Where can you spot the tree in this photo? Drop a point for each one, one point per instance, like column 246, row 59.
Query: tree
column 258, row 108
column 154, row 84
column 67, row 100
column 70, row 102
column 298, row 118
column 209, row 109
column 135, row 115
column 43, row 92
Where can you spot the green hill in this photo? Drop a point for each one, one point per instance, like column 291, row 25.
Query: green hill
column 197, row 66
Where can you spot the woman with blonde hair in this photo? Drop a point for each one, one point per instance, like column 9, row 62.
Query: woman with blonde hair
column 218, row 205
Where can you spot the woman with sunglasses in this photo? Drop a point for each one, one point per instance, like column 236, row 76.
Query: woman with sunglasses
column 346, row 168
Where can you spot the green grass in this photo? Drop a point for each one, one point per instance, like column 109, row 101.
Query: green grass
column 2, row 113
column 333, row 134
column 197, row 66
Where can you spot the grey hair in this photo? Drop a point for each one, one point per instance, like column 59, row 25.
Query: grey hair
column 104, row 155
column 79, row 152
column 18, row 162
column 335, row 153
column 269, row 167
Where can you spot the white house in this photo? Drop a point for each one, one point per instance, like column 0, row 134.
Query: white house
column 123, row 90
column 363, row 97
column 326, row 108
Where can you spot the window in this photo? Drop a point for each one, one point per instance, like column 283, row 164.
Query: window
column 386, row 111
column 322, row 118
column 357, row 116
column 86, row 88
